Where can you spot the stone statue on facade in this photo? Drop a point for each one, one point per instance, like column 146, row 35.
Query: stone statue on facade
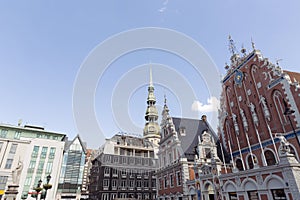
column 262, row 100
column 244, row 120
column 236, row 126
column 284, row 144
column 254, row 115
column 16, row 173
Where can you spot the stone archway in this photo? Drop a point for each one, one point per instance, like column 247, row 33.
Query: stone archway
column 230, row 190
column 276, row 187
column 250, row 187
column 209, row 191
column 192, row 194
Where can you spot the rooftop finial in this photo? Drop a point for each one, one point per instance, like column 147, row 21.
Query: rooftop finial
column 232, row 47
column 253, row 44
column 243, row 50
column 277, row 61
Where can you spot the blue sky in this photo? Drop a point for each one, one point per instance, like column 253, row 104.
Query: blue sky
column 43, row 44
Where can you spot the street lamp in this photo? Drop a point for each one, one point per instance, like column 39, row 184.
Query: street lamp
column 46, row 186
column 288, row 112
column 38, row 189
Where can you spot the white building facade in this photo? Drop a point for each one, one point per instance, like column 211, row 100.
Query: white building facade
column 29, row 154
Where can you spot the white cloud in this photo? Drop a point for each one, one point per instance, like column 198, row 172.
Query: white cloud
column 163, row 9
column 213, row 104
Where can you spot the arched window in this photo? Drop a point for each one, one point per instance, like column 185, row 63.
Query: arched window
column 270, row 157
column 277, row 98
column 239, row 164
column 250, row 160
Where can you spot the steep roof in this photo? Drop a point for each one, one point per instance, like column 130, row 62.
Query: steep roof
column 293, row 75
column 68, row 143
column 193, row 129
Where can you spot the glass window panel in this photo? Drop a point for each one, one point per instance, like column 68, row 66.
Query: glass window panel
column 13, row 148
column 8, row 163
column 3, row 133
column 17, row 134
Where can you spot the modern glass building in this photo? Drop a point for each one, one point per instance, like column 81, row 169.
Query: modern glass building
column 72, row 170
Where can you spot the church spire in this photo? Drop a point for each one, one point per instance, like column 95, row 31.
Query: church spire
column 151, row 82
column 151, row 130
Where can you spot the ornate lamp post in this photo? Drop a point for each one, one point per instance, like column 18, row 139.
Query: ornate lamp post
column 288, row 112
column 47, row 186
column 38, row 189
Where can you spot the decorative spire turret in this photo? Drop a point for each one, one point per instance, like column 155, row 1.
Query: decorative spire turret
column 232, row 48
column 151, row 130
column 167, row 124
column 231, row 45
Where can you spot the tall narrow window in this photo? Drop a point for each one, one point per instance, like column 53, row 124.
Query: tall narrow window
column 52, row 152
column 239, row 165
column 270, row 158
column 17, row 134
column 165, row 182
column 178, row 178
column 3, row 180
column 27, row 181
column 49, row 167
column 250, row 161
column 44, row 152
column 13, row 148
column 35, row 151
column 3, row 133
column 31, row 166
column 40, row 167
column 8, row 163
column 171, row 180
column 170, row 157
column 277, row 98
column 106, row 171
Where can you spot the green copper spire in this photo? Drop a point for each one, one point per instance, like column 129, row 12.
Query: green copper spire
column 151, row 130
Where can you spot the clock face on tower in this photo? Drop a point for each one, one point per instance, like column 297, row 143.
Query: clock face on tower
column 238, row 77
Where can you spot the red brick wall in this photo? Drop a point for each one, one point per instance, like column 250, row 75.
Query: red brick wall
column 249, row 83
column 264, row 197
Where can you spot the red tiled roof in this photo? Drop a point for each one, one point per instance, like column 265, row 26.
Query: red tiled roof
column 293, row 75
